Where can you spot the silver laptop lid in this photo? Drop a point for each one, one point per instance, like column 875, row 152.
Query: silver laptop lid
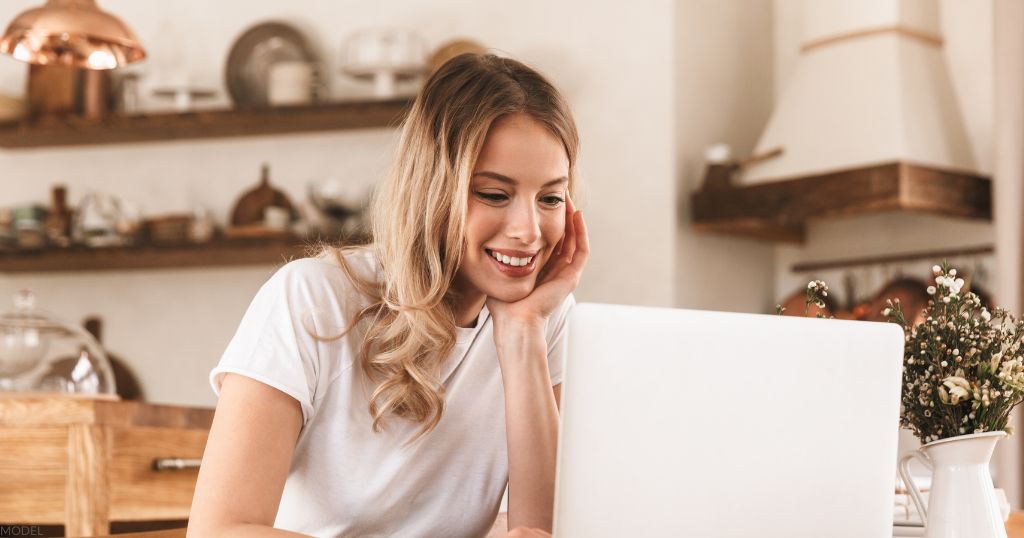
column 707, row 424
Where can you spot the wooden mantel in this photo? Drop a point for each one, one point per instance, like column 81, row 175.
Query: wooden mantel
column 780, row 210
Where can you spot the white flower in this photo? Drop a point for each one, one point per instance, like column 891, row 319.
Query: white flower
column 985, row 315
column 944, row 364
column 940, row 280
column 810, row 285
column 952, row 272
column 945, row 300
column 931, row 290
column 959, row 389
column 886, row 312
column 936, row 269
column 955, row 380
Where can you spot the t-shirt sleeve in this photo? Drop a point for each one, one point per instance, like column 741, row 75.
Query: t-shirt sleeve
column 272, row 344
column 558, row 339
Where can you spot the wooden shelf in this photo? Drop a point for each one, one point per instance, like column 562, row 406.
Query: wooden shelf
column 217, row 253
column 117, row 129
column 780, row 210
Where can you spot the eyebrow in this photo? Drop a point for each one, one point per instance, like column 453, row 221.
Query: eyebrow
column 510, row 181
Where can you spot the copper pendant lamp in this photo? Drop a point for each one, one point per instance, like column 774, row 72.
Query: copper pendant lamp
column 74, row 33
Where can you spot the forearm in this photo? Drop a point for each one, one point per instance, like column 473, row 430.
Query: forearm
column 531, row 425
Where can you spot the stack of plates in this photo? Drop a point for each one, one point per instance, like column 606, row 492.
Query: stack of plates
column 252, row 55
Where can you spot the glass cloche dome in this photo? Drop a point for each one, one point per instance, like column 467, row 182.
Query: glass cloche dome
column 41, row 354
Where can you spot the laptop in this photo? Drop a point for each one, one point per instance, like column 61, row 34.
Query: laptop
column 709, row 424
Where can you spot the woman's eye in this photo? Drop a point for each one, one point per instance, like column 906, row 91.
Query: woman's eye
column 492, row 196
column 553, row 200
column 498, row 197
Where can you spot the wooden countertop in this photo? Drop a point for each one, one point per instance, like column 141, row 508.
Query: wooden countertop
column 1014, row 529
column 27, row 409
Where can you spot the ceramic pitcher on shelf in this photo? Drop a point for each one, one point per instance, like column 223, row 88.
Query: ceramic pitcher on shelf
column 962, row 500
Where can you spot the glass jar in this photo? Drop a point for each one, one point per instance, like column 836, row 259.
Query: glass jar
column 41, row 354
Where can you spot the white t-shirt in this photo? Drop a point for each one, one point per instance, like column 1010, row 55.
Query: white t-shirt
column 344, row 479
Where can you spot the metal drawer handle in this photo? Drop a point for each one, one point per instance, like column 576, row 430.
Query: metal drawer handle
column 175, row 464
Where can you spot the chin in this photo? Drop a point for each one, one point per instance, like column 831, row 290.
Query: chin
column 510, row 294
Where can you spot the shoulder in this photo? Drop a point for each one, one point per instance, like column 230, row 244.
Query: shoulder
column 323, row 272
column 327, row 264
column 320, row 286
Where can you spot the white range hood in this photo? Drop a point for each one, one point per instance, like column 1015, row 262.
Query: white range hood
column 870, row 87
column 867, row 123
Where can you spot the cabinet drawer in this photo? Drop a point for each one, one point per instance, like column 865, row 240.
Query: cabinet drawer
column 137, row 491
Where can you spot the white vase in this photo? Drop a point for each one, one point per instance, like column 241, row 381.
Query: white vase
column 962, row 502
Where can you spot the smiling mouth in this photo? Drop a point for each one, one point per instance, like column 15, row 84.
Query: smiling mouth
column 514, row 270
column 510, row 260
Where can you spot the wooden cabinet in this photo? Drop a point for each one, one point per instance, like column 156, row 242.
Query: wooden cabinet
column 84, row 462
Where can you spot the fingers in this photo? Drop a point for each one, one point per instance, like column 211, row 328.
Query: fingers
column 568, row 222
column 570, row 229
column 573, row 243
column 582, row 243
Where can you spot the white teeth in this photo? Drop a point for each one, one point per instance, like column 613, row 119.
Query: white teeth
column 515, row 262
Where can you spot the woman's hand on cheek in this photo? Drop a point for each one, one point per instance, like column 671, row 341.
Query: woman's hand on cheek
column 556, row 280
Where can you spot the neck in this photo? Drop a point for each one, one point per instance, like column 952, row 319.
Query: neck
column 466, row 313
column 466, row 307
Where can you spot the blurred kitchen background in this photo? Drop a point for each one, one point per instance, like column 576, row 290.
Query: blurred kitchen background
column 252, row 125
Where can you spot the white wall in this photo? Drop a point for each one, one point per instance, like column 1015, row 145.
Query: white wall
column 724, row 76
column 614, row 64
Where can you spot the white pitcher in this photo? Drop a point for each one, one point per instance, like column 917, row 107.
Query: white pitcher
column 962, row 502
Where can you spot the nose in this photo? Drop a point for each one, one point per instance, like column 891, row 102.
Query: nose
column 523, row 223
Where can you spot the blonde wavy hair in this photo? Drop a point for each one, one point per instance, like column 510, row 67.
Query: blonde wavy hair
column 417, row 225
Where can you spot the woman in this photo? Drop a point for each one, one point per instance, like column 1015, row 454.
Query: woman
column 392, row 390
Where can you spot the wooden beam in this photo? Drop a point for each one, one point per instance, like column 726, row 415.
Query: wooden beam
column 117, row 129
column 217, row 253
column 780, row 210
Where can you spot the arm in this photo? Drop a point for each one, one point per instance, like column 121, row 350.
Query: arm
column 531, row 403
column 531, row 423
column 245, row 462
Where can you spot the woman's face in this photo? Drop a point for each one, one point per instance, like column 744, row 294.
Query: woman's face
column 516, row 209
